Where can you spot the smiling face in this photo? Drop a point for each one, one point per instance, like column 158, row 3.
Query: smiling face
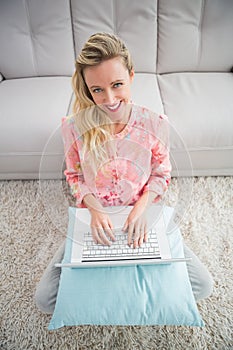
column 109, row 84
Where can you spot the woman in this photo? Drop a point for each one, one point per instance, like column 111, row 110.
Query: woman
column 116, row 154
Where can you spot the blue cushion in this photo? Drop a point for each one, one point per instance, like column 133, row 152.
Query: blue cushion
column 133, row 295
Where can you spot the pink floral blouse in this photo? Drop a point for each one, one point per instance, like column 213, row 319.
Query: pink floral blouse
column 137, row 161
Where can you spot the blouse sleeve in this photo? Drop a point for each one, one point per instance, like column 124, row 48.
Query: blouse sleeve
column 160, row 162
column 73, row 172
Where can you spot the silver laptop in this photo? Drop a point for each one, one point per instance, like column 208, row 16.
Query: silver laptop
column 85, row 253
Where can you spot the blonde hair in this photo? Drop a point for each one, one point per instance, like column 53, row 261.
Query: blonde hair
column 93, row 123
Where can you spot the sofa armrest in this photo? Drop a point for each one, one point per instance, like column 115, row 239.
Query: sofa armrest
column 1, row 78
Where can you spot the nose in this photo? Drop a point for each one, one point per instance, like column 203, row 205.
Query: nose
column 109, row 97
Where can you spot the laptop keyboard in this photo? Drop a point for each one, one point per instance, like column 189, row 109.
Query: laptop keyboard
column 119, row 250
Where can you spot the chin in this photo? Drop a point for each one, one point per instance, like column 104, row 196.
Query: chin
column 120, row 114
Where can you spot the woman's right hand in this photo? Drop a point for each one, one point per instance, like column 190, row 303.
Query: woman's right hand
column 101, row 228
column 101, row 225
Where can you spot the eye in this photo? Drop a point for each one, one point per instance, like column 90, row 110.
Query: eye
column 116, row 85
column 96, row 90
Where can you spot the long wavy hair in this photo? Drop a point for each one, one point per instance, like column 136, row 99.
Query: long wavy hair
column 91, row 121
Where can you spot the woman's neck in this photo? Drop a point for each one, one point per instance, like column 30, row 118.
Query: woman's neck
column 118, row 127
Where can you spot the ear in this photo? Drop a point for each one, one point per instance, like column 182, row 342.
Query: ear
column 131, row 75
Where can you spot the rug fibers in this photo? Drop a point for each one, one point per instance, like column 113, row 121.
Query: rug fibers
column 33, row 222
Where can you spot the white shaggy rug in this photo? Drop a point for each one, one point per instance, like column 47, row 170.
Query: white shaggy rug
column 33, row 219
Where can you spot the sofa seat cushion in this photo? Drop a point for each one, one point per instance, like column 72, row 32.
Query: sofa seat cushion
column 145, row 92
column 31, row 112
column 200, row 110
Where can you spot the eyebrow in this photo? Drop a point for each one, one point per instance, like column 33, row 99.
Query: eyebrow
column 112, row 83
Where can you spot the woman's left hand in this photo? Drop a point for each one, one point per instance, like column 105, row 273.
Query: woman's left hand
column 136, row 226
column 136, row 223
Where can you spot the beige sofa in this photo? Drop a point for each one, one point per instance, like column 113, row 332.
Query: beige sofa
column 183, row 55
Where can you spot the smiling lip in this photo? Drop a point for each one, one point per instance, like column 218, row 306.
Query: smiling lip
column 114, row 107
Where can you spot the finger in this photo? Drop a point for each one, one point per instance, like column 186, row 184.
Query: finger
column 137, row 233
column 109, row 233
column 130, row 234
column 141, row 234
column 141, row 240
column 108, row 228
column 145, row 233
column 125, row 227
column 146, row 237
column 102, row 237
column 95, row 235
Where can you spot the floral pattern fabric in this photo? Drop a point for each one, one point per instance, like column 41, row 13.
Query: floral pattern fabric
column 137, row 161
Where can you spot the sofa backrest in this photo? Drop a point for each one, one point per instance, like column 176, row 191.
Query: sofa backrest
column 195, row 35
column 35, row 38
column 42, row 38
column 135, row 22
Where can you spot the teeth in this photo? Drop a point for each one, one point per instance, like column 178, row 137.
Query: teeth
column 113, row 107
